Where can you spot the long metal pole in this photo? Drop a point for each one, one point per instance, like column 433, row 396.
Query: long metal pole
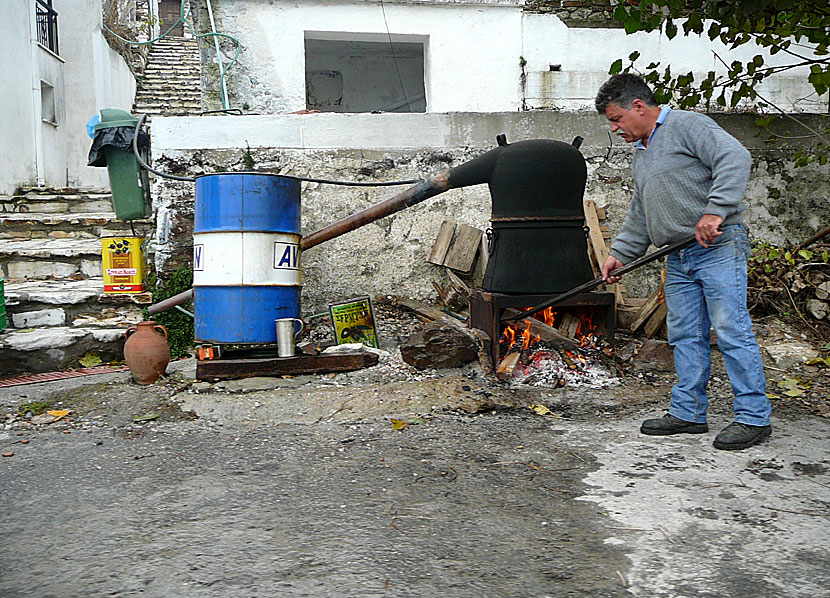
column 598, row 281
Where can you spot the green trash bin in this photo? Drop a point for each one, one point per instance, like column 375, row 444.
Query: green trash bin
column 128, row 181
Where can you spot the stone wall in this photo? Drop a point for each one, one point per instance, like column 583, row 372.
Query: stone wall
column 389, row 256
column 577, row 13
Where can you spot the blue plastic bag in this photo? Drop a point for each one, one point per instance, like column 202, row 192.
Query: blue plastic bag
column 90, row 125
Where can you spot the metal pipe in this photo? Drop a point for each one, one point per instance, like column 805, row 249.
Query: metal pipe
column 171, row 302
column 225, row 103
column 416, row 194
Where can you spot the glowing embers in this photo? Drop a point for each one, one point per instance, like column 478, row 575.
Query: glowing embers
column 557, row 347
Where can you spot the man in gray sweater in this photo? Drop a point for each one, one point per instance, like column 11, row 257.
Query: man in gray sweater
column 689, row 179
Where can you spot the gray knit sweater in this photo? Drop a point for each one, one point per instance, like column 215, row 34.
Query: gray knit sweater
column 691, row 167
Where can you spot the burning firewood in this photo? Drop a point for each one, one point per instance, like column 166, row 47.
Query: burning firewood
column 508, row 366
column 544, row 332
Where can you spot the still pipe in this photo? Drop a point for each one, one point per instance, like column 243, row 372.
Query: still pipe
column 411, row 196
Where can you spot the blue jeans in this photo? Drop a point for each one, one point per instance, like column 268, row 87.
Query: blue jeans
column 706, row 287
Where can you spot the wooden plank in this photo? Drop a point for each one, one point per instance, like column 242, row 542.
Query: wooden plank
column 595, row 234
column 232, row 369
column 656, row 321
column 458, row 282
column 646, row 310
column 463, row 250
column 569, row 325
column 442, row 243
column 428, row 312
column 508, row 365
column 651, row 305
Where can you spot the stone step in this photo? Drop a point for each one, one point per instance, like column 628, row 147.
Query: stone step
column 58, row 348
column 176, row 68
column 165, row 75
column 67, row 226
column 76, row 303
column 50, row 258
column 169, row 92
column 160, row 106
column 52, row 203
column 189, row 87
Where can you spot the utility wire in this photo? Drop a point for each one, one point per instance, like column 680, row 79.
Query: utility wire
column 394, row 58
column 191, row 179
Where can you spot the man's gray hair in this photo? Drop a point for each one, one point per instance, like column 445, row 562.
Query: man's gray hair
column 622, row 90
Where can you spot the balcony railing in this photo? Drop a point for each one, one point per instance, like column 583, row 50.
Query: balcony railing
column 47, row 25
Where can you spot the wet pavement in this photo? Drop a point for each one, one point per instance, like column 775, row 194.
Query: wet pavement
column 443, row 485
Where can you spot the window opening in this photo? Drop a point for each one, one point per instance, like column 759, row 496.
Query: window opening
column 48, row 112
column 364, row 76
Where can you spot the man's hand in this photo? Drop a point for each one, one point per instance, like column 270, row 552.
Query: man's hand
column 610, row 265
column 707, row 229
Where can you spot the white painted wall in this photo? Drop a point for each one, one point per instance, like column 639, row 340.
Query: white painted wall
column 471, row 56
column 585, row 55
column 96, row 77
column 473, row 53
column 17, row 116
column 86, row 76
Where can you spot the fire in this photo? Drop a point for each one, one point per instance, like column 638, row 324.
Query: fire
column 533, row 355
column 518, row 337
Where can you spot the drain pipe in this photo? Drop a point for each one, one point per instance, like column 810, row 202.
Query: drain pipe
column 37, row 106
column 225, row 103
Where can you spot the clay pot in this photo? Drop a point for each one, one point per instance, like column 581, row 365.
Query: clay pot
column 146, row 351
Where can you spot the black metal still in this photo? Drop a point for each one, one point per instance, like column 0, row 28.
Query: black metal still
column 537, row 243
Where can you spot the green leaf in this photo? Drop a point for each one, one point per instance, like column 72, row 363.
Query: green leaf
column 616, row 67
column 146, row 417
column 806, row 254
column 89, row 360
column 634, row 56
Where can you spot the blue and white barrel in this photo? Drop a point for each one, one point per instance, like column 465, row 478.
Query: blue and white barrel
column 246, row 256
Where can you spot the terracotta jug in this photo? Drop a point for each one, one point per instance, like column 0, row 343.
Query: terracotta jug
column 146, row 351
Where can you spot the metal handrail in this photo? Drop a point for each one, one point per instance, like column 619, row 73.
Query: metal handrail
column 47, row 25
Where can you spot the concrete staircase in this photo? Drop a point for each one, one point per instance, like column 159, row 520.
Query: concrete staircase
column 172, row 80
column 50, row 257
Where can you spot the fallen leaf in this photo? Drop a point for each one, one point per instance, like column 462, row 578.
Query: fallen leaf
column 541, row 409
column 398, row 424
column 9, row 454
column 89, row 360
column 59, row 413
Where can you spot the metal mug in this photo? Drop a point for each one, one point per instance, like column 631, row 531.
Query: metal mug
column 286, row 337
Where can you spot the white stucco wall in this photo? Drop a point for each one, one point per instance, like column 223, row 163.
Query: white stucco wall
column 86, row 76
column 471, row 53
column 473, row 50
column 54, row 150
column 17, row 116
column 585, row 55
column 96, row 77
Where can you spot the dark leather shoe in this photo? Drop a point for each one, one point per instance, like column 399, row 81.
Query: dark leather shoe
column 669, row 424
column 737, row 436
